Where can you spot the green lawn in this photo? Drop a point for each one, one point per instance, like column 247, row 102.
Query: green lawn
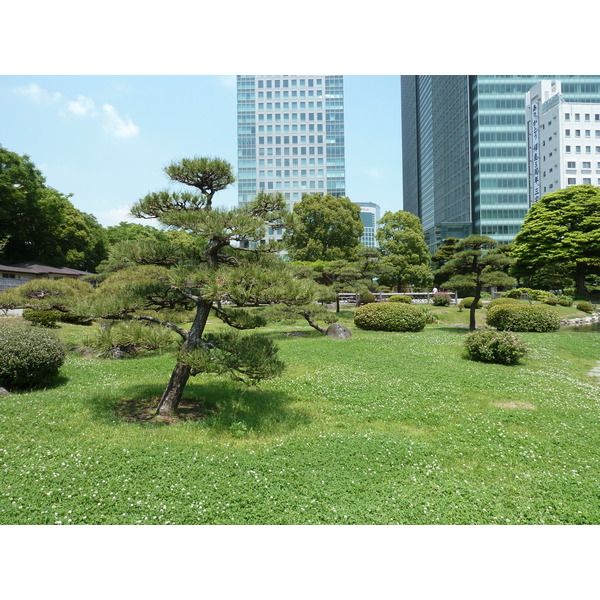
column 382, row 428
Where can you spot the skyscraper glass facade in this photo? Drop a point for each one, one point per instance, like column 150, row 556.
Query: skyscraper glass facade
column 369, row 215
column 290, row 135
column 479, row 158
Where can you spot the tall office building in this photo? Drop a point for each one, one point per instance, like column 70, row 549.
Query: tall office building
column 290, row 135
column 369, row 215
column 464, row 145
column 564, row 140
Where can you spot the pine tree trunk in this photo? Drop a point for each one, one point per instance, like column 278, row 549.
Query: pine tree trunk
column 181, row 373
column 174, row 392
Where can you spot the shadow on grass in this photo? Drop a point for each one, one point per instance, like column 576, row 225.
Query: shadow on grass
column 223, row 407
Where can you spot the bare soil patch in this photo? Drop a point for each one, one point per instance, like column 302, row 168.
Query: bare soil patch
column 515, row 405
column 144, row 410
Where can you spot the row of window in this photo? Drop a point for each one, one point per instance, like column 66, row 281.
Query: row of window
column 291, row 116
column 284, row 83
column 295, row 139
column 588, row 149
column 287, row 151
column 291, row 173
column 578, row 117
column 587, row 133
column 280, row 185
column 584, row 164
column 287, row 105
column 583, row 180
column 287, row 162
column 302, row 128
column 288, row 95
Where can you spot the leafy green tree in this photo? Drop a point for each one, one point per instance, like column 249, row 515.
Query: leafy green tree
column 323, row 227
column 21, row 186
column 403, row 250
column 476, row 264
column 41, row 223
column 153, row 283
column 561, row 232
column 133, row 231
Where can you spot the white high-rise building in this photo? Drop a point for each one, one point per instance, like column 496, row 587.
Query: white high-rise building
column 290, row 135
column 563, row 140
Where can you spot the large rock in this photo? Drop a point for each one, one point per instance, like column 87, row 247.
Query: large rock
column 338, row 331
column 3, row 391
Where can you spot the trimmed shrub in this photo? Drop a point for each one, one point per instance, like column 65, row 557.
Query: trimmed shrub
column 466, row 302
column 585, row 306
column 390, row 316
column 517, row 293
column 565, row 300
column 29, row 356
column 440, row 299
column 401, row 298
column 503, row 301
column 523, row 317
column 129, row 337
column 44, row 318
column 367, row 298
column 488, row 345
column 550, row 300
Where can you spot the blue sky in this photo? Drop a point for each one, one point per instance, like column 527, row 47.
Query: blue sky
column 105, row 139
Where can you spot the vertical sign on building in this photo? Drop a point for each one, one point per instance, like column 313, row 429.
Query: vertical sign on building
column 535, row 144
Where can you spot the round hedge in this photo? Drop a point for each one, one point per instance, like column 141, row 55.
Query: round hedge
column 503, row 301
column 585, row 306
column 525, row 317
column 467, row 302
column 401, row 298
column 489, row 345
column 29, row 356
column 390, row 316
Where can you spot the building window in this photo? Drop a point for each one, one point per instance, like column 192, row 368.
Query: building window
column 571, row 181
column 571, row 165
column 587, row 180
column 567, row 148
column 567, row 132
column 587, row 165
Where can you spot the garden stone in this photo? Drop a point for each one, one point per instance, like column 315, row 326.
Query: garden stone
column 3, row 392
column 337, row 331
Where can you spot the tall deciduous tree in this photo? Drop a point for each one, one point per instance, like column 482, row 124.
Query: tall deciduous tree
column 42, row 224
column 476, row 264
column 403, row 250
column 324, row 227
column 561, row 231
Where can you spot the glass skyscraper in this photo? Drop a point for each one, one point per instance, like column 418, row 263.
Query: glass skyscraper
column 369, row 215
column 464, row 141
column 290, row 135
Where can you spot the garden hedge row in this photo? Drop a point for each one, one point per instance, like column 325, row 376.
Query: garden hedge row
column 390, row 316
column 525, row 317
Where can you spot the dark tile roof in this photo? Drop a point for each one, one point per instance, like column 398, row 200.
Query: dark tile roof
column 37, row 269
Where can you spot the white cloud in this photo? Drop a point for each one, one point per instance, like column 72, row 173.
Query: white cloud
column 115, row 124
column 82, row 106
column 34, row 92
